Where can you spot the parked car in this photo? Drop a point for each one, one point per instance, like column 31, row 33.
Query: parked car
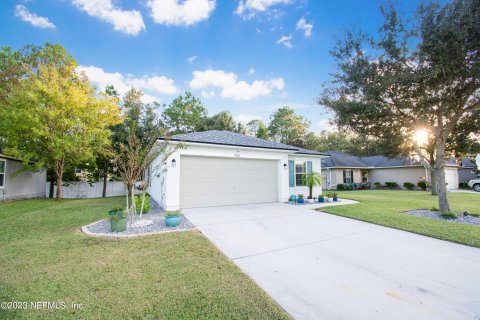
column 474, row 184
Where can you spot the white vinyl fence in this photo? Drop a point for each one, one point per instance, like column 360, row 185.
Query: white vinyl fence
column 76, row 190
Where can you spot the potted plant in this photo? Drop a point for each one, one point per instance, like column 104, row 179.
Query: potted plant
column 173, row 218
column 118, row 219
column 330, row 196
column 335, row 196
column 300, row 198
column 321, row 198
column 312, row 179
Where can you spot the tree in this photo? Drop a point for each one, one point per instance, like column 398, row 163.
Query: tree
column 53, row 117
column 241, row 128
column 288, row 127
column 258, row 129
column 403, row 81
column 136, row 145
column 312, row 179
column 221, row 121
column 185, row 114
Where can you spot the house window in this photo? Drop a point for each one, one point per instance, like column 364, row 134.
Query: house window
column 78, row 170
column 300, row 173
column 347, row 176
column 3, row 164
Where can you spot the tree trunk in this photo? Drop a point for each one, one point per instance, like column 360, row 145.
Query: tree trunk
column 439, row 169
column 433, row 182
column 51, row 191
column 105, row 179
column 132, row 203
column 59, row 174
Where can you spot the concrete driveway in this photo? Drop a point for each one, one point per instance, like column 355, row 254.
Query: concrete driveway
column 321, row 266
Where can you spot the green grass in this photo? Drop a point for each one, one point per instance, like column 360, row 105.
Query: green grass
column 384, row 207
column 180, row 275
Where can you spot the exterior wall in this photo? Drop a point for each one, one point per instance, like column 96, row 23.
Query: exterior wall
column 24, row 185
column 398, row 175
column 316, row 167
column 335, row 176
column 165, row 186
column 79, row 190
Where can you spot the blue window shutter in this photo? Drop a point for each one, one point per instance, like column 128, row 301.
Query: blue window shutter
column 291, row 173
column 309, row 166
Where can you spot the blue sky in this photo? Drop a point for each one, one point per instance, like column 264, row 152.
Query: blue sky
column 250, row 57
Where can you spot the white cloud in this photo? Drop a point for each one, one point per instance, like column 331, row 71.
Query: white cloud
column 178, row 13
column 251, row 71
column 148, row 84
column 286, row 41
column 32, row 18
column 191, row 59
column 246, row 118
column 207, row 94
column 126, row 21
column 248, row 8
column 306, row 27
column 231, row 87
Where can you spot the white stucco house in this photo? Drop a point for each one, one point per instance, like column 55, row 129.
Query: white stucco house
column 225, row 168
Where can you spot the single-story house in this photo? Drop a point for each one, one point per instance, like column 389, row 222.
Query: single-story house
column 15, row 184
column 225, row 168
column 340, row 168
column 466, row 171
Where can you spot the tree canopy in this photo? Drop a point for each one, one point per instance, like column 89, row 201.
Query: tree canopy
column 51, row 116
column 185, row 114
column 288, row 127
column 411, row 77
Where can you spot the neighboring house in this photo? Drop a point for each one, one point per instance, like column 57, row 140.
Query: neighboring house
column 345, row 168
column 226, row 168
column 466, row 171
column 19, row 185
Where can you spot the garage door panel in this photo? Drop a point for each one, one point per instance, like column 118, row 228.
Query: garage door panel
column 208, row 181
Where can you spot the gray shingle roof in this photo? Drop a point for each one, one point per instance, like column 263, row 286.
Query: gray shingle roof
column 237, row 139
column 381, row 161
column 343, row 160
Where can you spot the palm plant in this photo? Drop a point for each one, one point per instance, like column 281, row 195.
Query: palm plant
column 312, row 179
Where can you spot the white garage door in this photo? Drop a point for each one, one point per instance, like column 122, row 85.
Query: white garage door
column 451, row 177
column 206, row 181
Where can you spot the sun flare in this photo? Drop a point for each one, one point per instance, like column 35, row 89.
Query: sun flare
column 421, row 137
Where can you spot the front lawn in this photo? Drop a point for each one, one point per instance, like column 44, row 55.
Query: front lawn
column 180, row 275
column 383, row 207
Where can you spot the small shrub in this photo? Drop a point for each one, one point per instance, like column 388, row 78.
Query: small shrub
column 330, row 194
column 175, row 213
column 448, row 215
column 463, row 185
column 146, row 204
column 117, row 213
column 391, row 185
column 423, row 184
column 408, row 185
column 378, row 185
column 434, row 209
column 300, row 196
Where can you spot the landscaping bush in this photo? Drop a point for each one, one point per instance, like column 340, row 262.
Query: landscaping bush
column 353, row 186
column 391, row 185
column 378, row 185
column 463, row 185
column 423, row 184
column 409, row 185
column 448, row 215
column 146, row 204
